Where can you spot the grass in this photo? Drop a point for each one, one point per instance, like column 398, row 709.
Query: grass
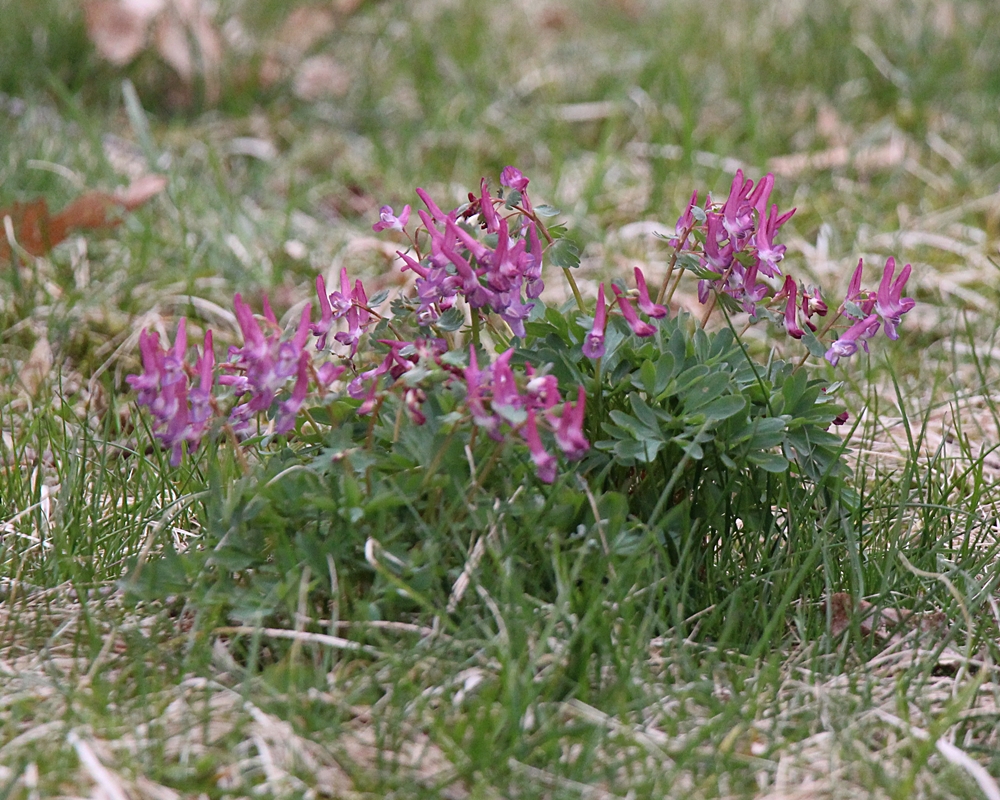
column 597, row 686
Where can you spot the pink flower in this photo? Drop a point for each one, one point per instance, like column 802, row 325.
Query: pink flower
column 489, row 213
column 386, row 219
column 889, row 304
column 514, row 178
column 864, row 300
column 569, row 431
column 545, row 462
column 847, row 344
column 768, row 252
column 639, row 328
column 790, row 292
column 436, row 212
column 647, row 306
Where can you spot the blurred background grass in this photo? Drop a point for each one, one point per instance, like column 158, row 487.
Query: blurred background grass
column 876, row 116
column 881, row 120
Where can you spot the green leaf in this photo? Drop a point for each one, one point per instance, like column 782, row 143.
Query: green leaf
column 644, row 451
column 513, row 199
column 666, row 367
column 702, row 392
column 724, row 407
column 646, row 378
column 633, row 425
column 813, row 345
column 450, row 320
column 691, row 449
column 547, row 211
column 769, row 462
column 563, row 253
column 644, row 413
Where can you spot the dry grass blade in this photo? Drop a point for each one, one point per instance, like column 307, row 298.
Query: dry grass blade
column 324, row 639
column 106, row 780
column 953, row 754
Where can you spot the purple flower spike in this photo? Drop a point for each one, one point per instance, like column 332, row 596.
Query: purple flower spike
column 328, row 373
column 736, row 216
column 685, row 224
column 543, row 390
column 386, row 219
column 545, row 462
column 288, row 410
column 864, row 300
column 475, row 385
column 639, row 328
column 322, row 328
column 768, row 252
column 201, row 397
column 593, row 345
column 411, row 263
column 847, row 345
column 718, row 257
column 647, row 306
column 889, row 303
column 569, row 431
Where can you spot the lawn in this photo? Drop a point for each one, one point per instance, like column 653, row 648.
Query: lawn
column 313, row 616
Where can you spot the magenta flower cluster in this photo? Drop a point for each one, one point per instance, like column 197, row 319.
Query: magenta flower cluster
column 736, row 245
column 272, row 373
column 593, row 343
column 869, row 310
column 498, row 405
column 181, row 411
column 504, row 279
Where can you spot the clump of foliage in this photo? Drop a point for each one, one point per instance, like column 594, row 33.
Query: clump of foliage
column 394, row 442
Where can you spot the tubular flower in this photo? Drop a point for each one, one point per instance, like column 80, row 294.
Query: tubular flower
column 513, row 178
column 647, row 306
column 889, row 304
column 639, row 328
column 180, row 414
column 569, row 431
column 863, row 299
column 790, row 292
column 545, row 462
column 685, row 224
column 847, row 345
column 387, row 219
column 768, row 252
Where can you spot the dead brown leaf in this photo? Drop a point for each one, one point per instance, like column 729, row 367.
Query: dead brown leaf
column 119, row 28
column 186, row 39
column 36, row 231
column 181, row 31
column 885, row 623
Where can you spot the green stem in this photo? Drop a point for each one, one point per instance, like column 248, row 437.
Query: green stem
column 670, row 267
column 576, row 289
column 475, row 327
column 549, row 240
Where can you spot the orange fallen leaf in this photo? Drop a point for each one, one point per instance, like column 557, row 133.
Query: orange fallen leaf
column 36, row 231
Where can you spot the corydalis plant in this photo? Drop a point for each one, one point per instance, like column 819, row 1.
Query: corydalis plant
column 478, row 271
